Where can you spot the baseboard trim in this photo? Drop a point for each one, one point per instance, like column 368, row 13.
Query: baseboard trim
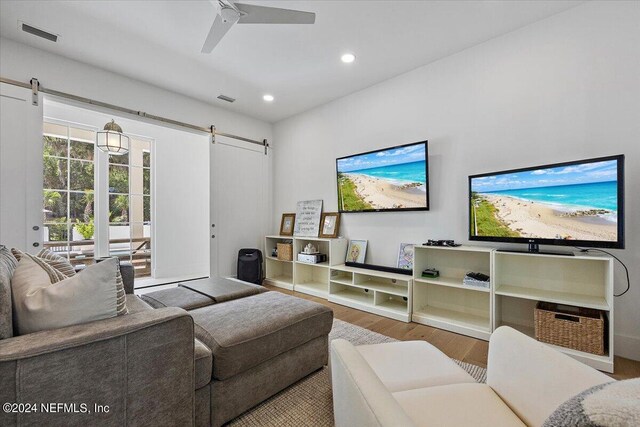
column 627, row 346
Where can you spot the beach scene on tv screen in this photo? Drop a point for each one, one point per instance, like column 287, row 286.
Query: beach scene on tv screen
column 389, row 179
column 576, row 202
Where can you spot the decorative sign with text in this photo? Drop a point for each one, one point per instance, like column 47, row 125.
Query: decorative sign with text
column 308, row 214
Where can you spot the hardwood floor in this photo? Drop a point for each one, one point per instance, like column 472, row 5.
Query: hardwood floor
column 457, row 346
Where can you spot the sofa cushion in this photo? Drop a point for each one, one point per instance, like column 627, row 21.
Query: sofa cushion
column 176, row 297
column 203, row 364
column 408, row 365
column 222, row 289
column 612, row 404
column 456, row 405
column 136, row 305
column 40, row 305
column 246, row 332
column 8, row 265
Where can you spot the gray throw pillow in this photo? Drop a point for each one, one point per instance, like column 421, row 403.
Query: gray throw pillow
column 40, row 305
column 606, row 405
column 59, row 268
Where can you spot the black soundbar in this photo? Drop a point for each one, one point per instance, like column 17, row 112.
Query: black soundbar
column 379, row 268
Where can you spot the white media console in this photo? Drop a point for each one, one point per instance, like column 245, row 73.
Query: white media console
column 518, row 282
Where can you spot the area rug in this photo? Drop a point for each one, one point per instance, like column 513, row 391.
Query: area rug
column 308, row 402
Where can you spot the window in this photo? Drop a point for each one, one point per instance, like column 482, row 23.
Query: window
column 130, row 206
column 68, row 190
column 71, row 162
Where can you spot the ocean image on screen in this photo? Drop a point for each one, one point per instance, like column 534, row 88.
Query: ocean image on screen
column 390, row 179
column 577, row 202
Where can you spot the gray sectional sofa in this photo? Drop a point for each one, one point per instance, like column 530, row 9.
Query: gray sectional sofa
column 178, row 358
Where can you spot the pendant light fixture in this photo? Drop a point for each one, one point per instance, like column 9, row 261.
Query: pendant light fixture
column 111, row 140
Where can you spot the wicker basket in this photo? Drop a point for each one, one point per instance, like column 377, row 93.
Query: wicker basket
column 577, row 328
column 285, row 251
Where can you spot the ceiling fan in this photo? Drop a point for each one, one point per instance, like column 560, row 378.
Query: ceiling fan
column 231, row 13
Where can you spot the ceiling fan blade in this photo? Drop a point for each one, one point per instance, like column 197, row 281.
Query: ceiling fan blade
column 272, row 15
column 218, row 29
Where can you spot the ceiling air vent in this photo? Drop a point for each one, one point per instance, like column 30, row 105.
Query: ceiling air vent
column 226, row 98
column 38, row 32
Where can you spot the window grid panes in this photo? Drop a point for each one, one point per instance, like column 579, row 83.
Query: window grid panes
column 130, row 206
column 68, row 185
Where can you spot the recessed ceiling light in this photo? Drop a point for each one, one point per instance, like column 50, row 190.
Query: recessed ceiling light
column 268, row 98
column 348, row 58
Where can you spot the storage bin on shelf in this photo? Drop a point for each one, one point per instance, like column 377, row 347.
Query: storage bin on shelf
column 285, row 251
column 578, row 328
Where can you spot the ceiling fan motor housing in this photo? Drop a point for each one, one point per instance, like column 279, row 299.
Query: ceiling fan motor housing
column 229, row 14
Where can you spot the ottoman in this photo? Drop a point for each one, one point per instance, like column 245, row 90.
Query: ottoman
column 200, row 293
column 261, row 344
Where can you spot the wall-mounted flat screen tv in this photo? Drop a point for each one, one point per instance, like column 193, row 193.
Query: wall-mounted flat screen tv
column 390, row 179
column 577, row 203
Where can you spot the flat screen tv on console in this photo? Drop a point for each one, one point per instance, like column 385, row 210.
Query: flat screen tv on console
column 390, row 179
column 577, row 203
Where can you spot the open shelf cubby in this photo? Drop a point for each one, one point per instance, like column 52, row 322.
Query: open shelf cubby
column 518, row 313
column 312, row 280
column 581, row 280
column 382, row 293
column 458, row 310
column 445, row 301
column 277, row 272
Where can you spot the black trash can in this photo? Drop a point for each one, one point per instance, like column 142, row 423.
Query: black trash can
column 250, row 266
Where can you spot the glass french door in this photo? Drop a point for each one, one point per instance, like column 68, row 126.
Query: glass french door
column 77, row 178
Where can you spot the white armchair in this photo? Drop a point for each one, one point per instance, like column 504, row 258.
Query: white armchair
column 414, row 384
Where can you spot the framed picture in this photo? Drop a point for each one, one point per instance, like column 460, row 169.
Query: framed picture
column 307, row 223
column 405, row 256
column 330, row 224
column 357, row 251
column 286, row 225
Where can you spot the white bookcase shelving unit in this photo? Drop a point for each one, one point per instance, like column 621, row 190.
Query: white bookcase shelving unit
column 379, row 292
column 521, row 280
column 445, row 302
column 312, row 279
column 518, row 282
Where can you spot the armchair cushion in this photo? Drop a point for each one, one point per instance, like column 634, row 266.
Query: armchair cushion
column 457, row 405
column 409, row 365
column 39, row 305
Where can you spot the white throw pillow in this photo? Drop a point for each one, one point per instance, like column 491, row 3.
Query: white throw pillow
column 40, row 305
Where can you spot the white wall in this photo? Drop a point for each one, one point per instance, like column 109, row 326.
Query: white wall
column 562, row 89
column 21, row 62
